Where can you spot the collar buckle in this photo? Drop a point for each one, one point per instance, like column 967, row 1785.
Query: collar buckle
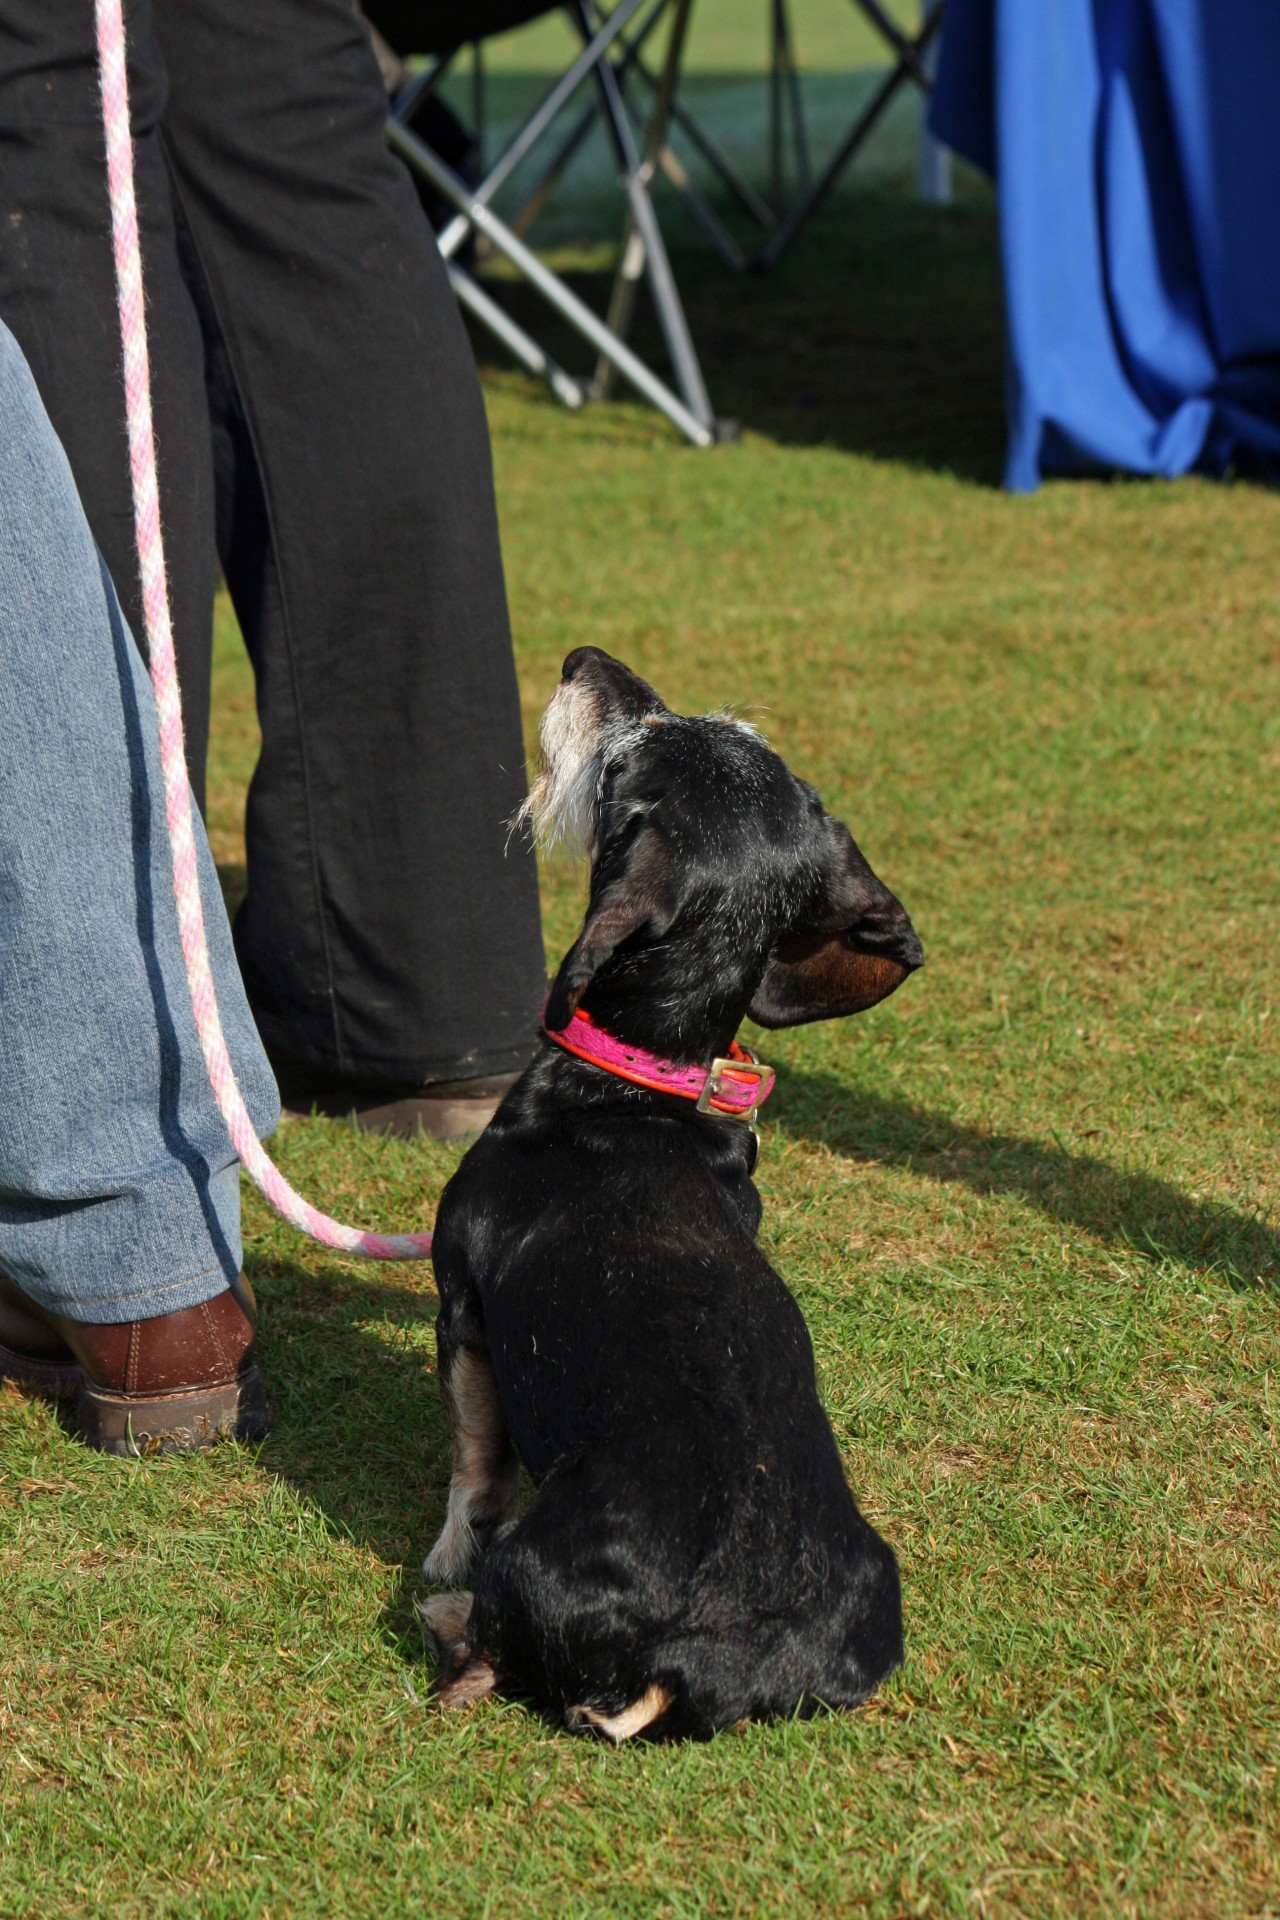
column 710, row 1100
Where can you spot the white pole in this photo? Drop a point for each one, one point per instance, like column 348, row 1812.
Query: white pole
column 933, row 185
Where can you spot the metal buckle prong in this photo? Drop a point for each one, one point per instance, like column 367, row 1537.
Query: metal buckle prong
column 749, row 1069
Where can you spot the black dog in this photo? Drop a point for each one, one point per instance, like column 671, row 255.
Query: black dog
column 694, row 1556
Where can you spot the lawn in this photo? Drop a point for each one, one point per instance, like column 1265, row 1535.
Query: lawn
column 1028, row 1207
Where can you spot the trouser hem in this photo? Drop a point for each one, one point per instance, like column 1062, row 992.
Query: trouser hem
column 396, row 1073
column 143, row 1303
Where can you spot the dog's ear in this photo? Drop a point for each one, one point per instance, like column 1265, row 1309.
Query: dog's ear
column 854, row 952
column 633, row 891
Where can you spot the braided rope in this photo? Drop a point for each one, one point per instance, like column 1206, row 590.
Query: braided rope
column 164, row 677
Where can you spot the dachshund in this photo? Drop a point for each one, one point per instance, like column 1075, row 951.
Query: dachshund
column 694, row 1556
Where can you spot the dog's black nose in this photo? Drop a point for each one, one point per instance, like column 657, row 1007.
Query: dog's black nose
column 578, row 658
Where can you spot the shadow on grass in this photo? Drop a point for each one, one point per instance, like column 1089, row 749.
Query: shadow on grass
column 234, row 882
column 881, row 334
column 1135, row 1211
column 359, row 1428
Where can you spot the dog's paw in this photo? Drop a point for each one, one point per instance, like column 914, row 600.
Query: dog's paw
column 464, row 1676
column 469, row 1681
column 449, row 1561
column 445, row 1617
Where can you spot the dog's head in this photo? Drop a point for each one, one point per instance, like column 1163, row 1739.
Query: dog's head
column 719, row 884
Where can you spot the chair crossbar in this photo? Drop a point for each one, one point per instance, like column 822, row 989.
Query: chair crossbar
column 542, row 116
column 779, row 222
column 639, row 151
column 643, row 247
column 911, row 64
column 476, row 213
column 631, row 62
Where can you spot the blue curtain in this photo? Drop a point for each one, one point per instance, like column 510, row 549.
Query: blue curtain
column 1136, row 145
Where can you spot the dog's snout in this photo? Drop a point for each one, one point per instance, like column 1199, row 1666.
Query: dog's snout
column 618, row 692
column 577, row 659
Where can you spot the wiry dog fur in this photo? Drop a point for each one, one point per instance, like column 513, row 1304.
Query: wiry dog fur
column 694, row 1555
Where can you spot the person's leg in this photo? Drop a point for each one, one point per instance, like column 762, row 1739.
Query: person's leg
column 119, row 1196
column 58, row 294
column 388, row 934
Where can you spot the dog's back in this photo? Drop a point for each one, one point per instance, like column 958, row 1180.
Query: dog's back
column 694, row 1543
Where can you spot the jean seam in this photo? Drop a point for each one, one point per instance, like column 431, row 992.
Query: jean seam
column 149, row 1293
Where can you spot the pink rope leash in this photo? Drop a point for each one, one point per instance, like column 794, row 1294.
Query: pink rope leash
column 164, row 677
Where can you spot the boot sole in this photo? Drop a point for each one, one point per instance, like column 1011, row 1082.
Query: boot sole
column 132, row 1425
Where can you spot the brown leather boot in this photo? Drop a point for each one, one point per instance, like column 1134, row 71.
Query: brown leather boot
column 166, row 1385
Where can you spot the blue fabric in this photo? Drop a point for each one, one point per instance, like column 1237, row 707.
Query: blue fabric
column 1136, row 144
column 119, row 1190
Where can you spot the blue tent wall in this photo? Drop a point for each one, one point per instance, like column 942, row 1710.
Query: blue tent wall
column 1136, row 146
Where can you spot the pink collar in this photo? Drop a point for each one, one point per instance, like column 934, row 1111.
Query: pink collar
column 734, row 1085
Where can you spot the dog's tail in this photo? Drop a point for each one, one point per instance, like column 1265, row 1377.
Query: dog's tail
column 469, row 1672
column 614, row 1657
column 570, row 1650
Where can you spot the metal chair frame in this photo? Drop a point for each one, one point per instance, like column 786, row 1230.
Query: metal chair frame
column 779, row 221
column 614, row 62
column 638, row 142
column 911, row 63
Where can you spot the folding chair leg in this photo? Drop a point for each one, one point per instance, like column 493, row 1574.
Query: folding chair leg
column 647, row 233
column 794, row 96
column 781, row 239
column 933, row 178
column 536, row 199
column 479, row 102
column 631, row 48
column 676, row 172
column 632, row 265
column 418, row 86
column 742, row 190
column 455, row 233
column 933, row 181
column 713, row 228
column 785, row 100
column 521, row 345
column 538, row 196
column 777, row 181
column 474, row 212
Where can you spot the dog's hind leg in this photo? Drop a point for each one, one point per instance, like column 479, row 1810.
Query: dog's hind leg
column 482, row 1492
column 464, row 1677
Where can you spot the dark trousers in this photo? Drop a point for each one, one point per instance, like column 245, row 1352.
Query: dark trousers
column 321, row 433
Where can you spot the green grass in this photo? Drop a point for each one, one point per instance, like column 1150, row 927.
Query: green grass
column 1028, row 1207
column 725, row 37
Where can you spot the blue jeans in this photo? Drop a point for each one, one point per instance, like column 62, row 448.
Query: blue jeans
column 119, row 1190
